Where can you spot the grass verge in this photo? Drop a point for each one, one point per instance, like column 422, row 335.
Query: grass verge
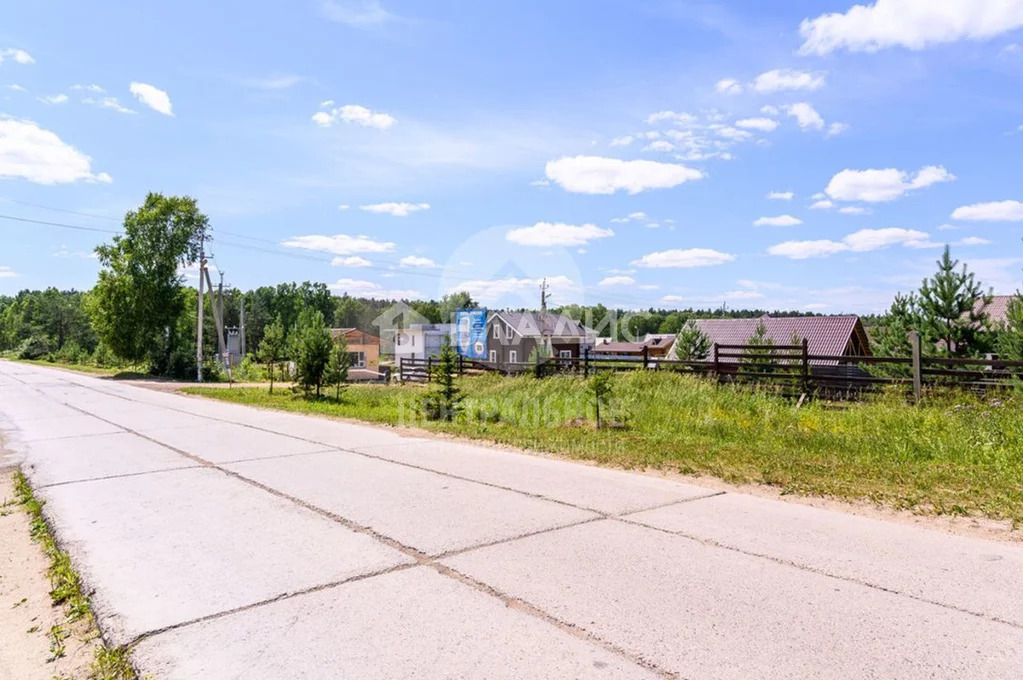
column 956, row 454
column 66, row 592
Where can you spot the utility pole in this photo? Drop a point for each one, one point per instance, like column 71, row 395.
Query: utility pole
column 198, row 324
column 543, row 297
column 241, row 322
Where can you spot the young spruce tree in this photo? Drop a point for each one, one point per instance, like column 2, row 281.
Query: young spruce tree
column 271, row 349
column 952, row 310
column 445, row 402
column 691, row 344
column 336, row 373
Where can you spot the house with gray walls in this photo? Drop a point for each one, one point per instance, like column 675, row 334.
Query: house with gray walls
column 512, row 336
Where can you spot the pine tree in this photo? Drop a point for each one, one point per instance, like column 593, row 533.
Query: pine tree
column 600, row 386
column 313, row 346
column 336, row 372
column 758, row 360
column 271, row 348
column 446, row 401
column 691, row 344
column 891, row 338
column 951, row 310
column 1010, row 340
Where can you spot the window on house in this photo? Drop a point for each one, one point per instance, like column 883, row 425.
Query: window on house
column 508, row 332
column 493, row 356
column 513, row 357
column 565, row 353
column 358, row 359
column 497, row 332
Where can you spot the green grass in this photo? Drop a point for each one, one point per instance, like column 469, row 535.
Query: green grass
column 955, row 454
column 66, row 591
column 80, row 368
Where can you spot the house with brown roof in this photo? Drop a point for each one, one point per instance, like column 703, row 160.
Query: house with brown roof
column 654, row 345
column 512, row 336
column 834, row 336
column 363, row 350
column 997, row 310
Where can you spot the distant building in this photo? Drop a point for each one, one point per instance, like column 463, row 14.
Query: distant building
column 835, row 336
column 657, row 346
column 363, row 347
column 513, row 336
column 997, row 310
column 420, row 340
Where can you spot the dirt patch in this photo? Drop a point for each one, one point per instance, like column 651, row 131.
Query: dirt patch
column 27, row 615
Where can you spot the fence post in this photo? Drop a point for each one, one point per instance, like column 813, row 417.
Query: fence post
column 429, row 369
column 716, row 369
column 914, row 342
column 460, row 369
column 586, row 363
column 401, row 369
column 806, row 366
column 646, row 356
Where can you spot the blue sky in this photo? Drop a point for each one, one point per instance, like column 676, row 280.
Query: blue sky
column 625, row 151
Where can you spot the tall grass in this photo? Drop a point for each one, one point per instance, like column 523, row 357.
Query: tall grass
column 955, row 454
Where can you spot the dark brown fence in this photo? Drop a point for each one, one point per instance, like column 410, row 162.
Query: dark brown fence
column 789, row 368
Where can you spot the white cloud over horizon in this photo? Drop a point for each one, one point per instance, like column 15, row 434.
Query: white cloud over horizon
column 339, row 244
column 864, row 240
column 879, row 186
column 394, row 209
column 678, row 258
column 996, row 211
column 779, row 221
column 787, row 79
column 600, row 175
column 912, row 24
column 547, row 234
column 356, row 115
column 153, row 97
column 30, row 152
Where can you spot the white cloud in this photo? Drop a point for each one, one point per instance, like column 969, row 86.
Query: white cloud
column 339, row 244
column 344, row 206
column 678, row 258
column 728, row 86
column 350, row 261
column 781, row 79
column 491, row 290
column 360, row 288
column 356, row 115
column 779, row 221
column 769, row 110
column 395, row 209
column 732, row 133
column 659, row 145
column 997, row 211
column 781, row 195
column 80, row 254
column 739, row 295
column 622, row 141
column 54, row 99
column 153, row 97
column 877, row 186
column 545, row 234
column 801, row 250
column 29, row 152
column 276, row 81
column 672, row 298
column 108, row 103
column 18, row 88
column 416, row 261
column 948, row 227
column 914, row 24
column 7, row 272
column 836, row 129
column 861, row 241
column 16, row 55
column 676, row 118
column 617, row 281
column 357, row 13
column 806, row 116
column 599, row 175
column 762, row 124
column 631, row 217
column 823, row 204
column 88, row 88
column 853, row 210
column 874, row 239
column 973, row 241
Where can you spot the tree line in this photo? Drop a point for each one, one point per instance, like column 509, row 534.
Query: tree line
column 141, row 313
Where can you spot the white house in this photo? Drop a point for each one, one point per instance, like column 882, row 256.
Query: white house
column 421, row 340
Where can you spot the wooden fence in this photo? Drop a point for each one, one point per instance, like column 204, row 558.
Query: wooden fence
column 790, row 368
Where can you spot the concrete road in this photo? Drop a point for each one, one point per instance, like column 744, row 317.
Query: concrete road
column 229, row 542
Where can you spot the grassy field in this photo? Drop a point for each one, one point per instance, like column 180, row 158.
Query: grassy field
column 953, row 455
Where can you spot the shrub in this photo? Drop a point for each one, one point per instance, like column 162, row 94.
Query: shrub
column 34, row 347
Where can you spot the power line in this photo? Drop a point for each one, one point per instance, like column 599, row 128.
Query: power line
column 76, row 227
column 306, row 256
column 62, row 210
